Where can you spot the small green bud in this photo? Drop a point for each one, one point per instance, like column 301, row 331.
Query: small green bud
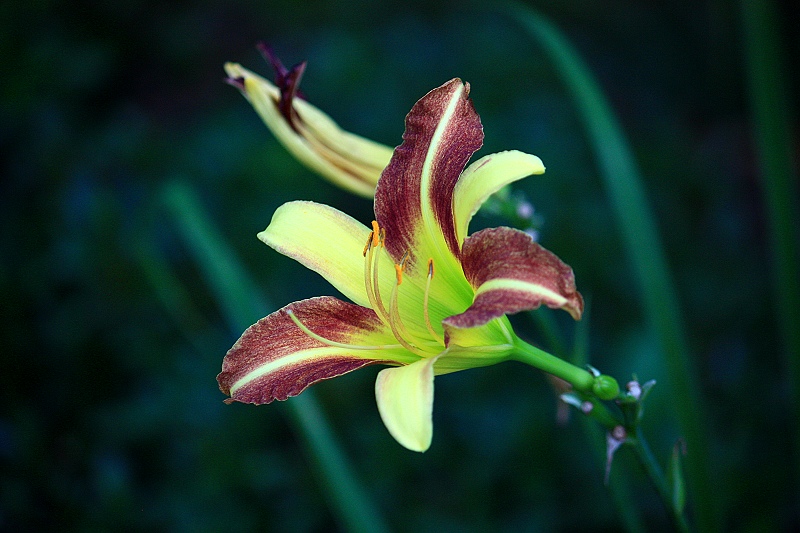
column 605, row 387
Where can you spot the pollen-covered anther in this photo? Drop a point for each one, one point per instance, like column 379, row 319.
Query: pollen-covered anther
column 400, row 267
column 375, row 237
column 377, row 232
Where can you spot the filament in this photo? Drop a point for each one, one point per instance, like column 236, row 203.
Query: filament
column 399, row 330
column 391, row 316
column 376, row 286
column 329, row 342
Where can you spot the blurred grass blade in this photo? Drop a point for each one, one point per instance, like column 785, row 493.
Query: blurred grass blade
column 773, row 137
column 643, row 245
column 170, row 291
column 233, row 289
column 239, row 299
column 675, row 478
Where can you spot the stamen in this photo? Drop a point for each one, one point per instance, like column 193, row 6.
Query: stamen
column 370, row 281
column 399, row 330
column 425, row 304
column 376, row 286
column 329, row 342
column 375, row 237
column 391, row 317
column 400, row 267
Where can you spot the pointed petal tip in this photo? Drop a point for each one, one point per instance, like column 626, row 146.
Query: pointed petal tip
column 512, row 273
column 575, row 307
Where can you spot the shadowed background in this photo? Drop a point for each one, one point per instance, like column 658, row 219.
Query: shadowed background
column 112, row 338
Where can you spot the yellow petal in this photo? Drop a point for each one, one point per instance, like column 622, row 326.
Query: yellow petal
column 405, row 402
column 325, row 240
column 485, row 177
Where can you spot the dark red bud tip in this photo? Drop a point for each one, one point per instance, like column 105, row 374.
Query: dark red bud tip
column 236, row 82
column 288, row 87
column 287, row 81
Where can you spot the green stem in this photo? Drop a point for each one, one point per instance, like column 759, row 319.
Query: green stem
column 580, row 379
column 656, row 475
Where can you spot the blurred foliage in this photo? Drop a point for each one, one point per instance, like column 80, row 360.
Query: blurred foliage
column 111, row 417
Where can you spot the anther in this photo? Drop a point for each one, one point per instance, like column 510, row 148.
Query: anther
column 376, row 233
column 399, row 267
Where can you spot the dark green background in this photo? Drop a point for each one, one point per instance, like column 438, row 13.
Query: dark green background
column 110, row 416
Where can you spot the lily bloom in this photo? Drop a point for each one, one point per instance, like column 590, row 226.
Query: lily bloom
column 348, row 160
column 427, row 299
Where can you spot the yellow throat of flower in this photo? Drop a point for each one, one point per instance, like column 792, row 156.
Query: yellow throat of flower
column 374, row 246
column 424, row 348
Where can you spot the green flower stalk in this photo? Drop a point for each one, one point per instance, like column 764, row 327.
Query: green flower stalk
column 427, row 298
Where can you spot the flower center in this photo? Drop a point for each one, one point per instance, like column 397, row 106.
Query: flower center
column 390, row 316
column 421, row 347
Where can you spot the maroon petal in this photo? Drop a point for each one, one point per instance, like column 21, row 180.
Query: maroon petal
column 511, row 273
column 403, row 192
column 274, row 359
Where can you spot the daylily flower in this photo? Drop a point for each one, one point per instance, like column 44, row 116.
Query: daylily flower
column 426, row 298
column 346, row 159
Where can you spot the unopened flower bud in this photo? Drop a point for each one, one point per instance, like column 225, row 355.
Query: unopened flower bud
column 605, row 387
column 587, row 407
column 634, row 389
column 619, row 433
